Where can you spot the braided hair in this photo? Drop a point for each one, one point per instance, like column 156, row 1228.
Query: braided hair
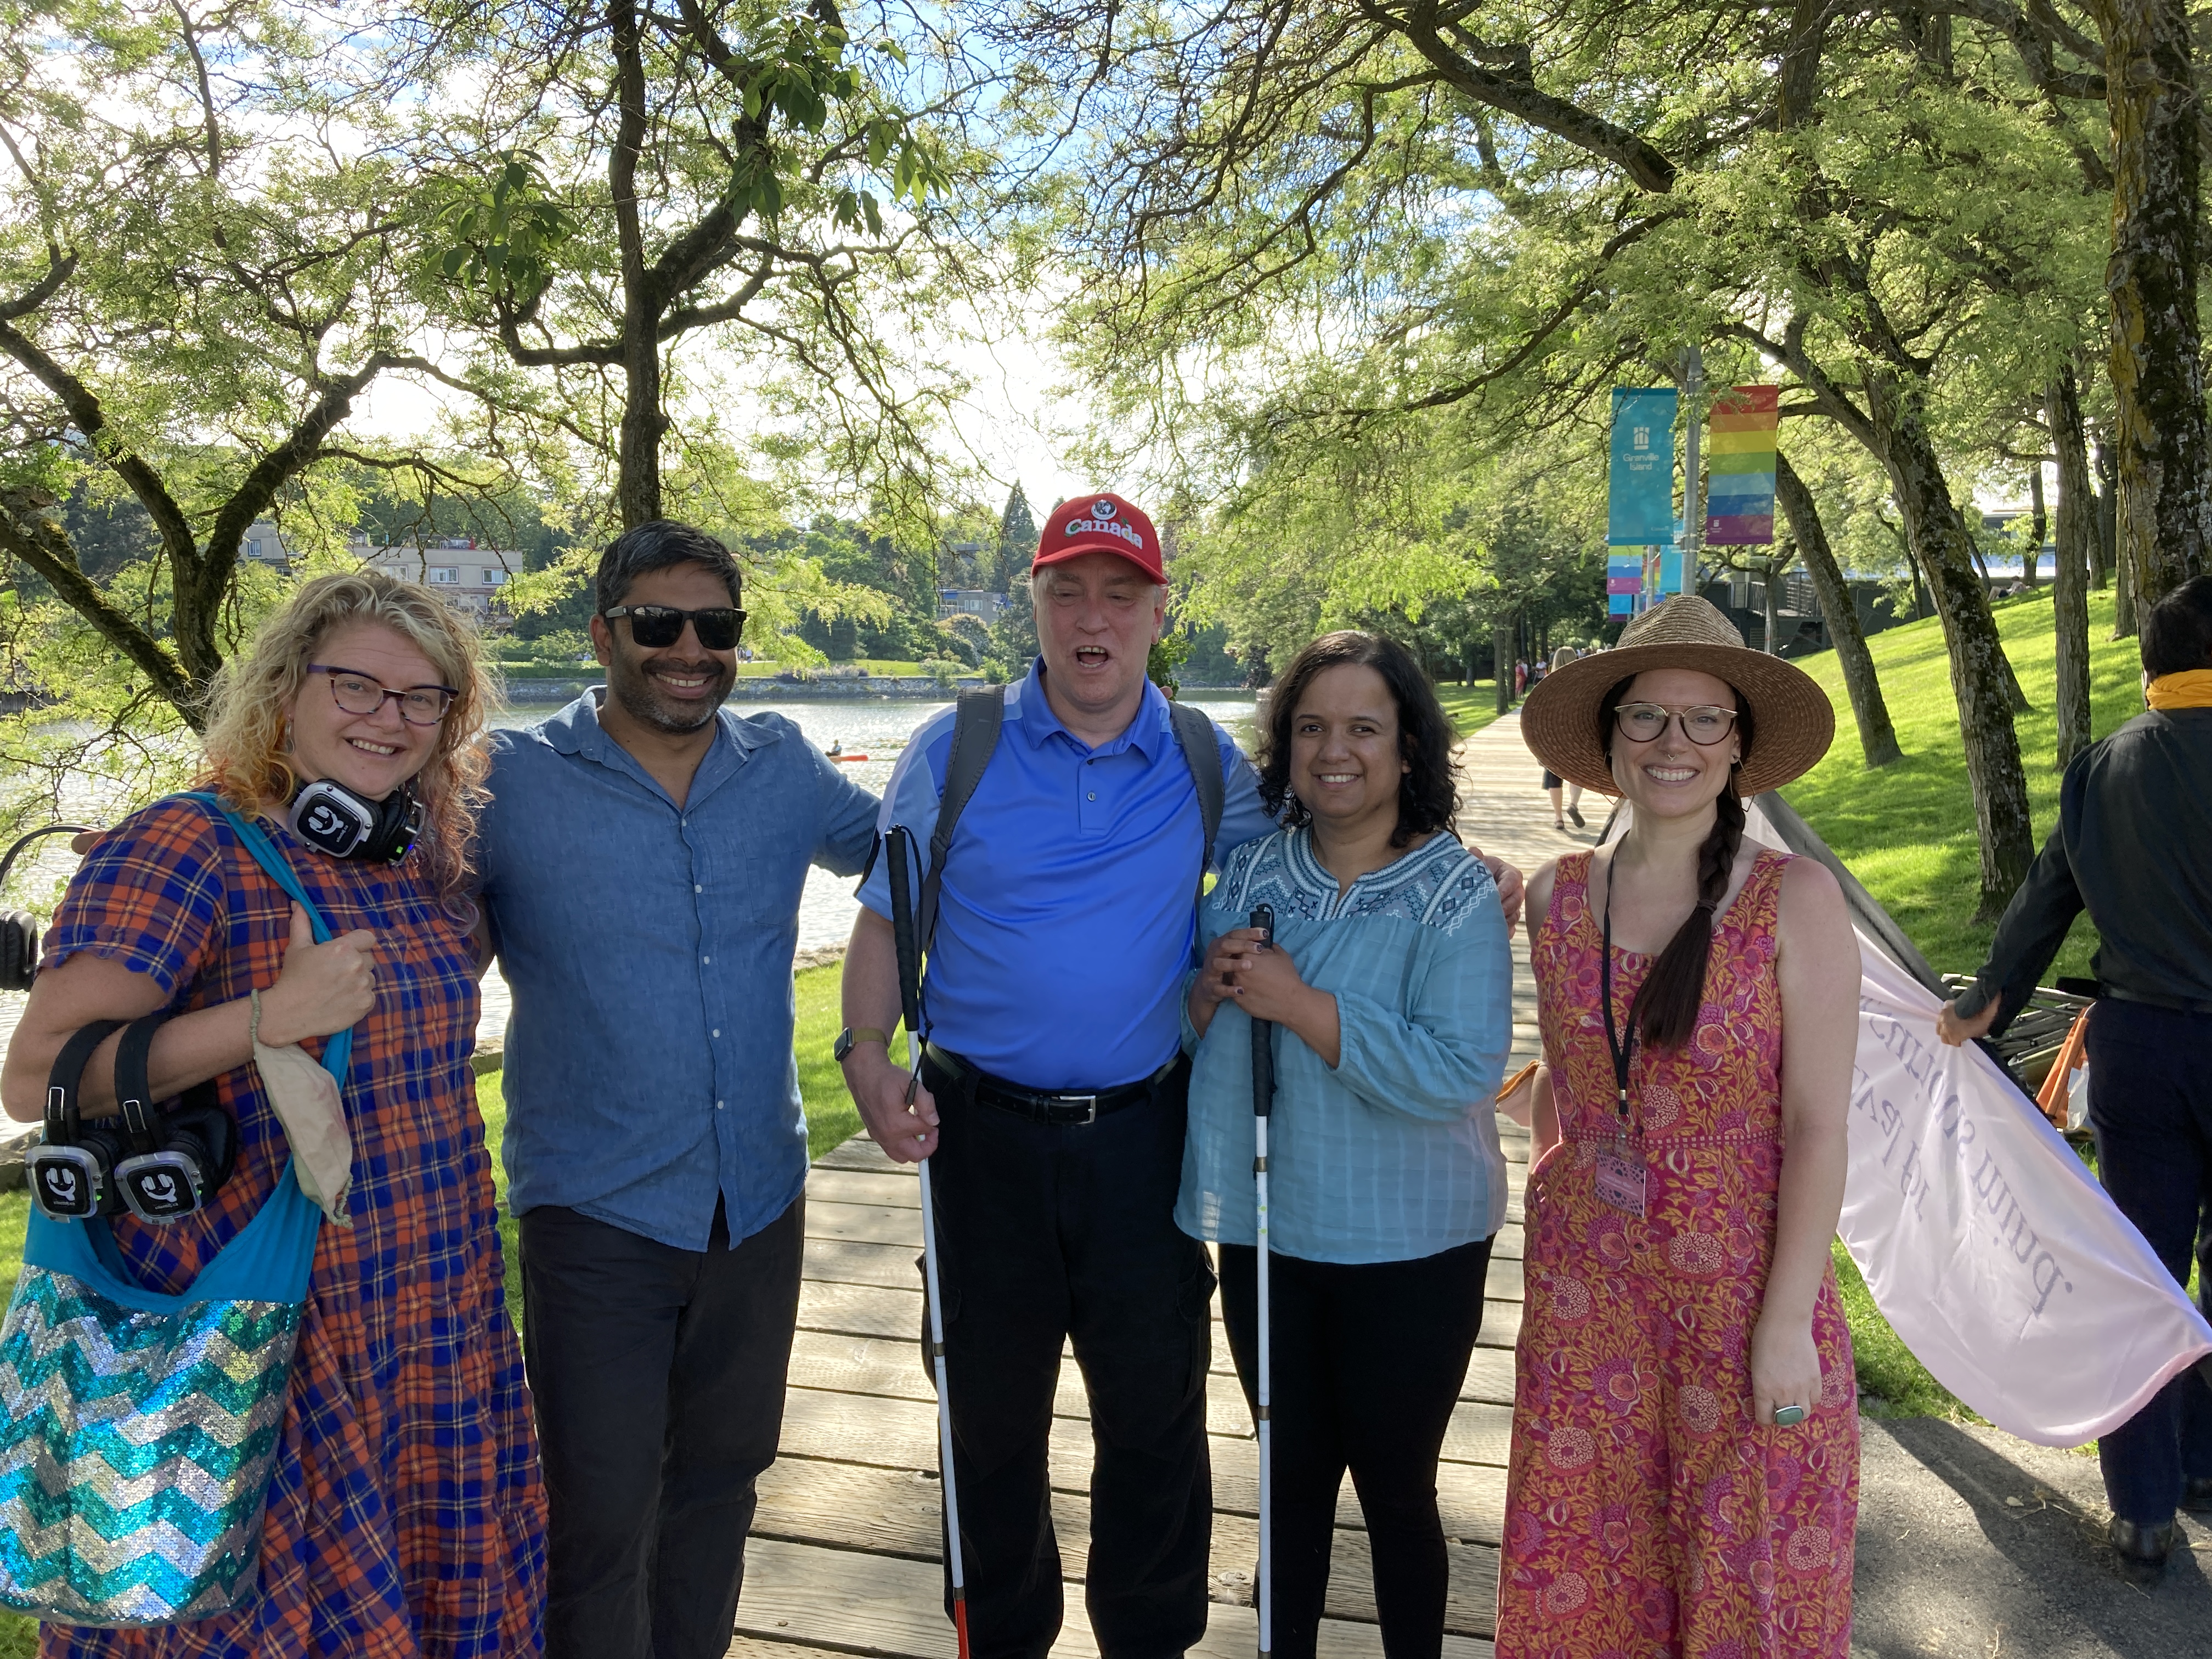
column 1665, row 1010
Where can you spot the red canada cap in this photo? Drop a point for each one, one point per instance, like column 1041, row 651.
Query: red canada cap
column 1101, row 523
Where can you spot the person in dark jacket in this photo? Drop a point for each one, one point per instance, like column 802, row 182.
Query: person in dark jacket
column 2129, row 847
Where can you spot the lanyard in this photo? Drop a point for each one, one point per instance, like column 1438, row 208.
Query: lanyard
column 1622, row 1052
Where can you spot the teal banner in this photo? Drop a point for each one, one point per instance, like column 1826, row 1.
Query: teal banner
column 1640, row 505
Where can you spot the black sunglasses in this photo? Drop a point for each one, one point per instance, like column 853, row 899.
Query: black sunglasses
column 657, row 625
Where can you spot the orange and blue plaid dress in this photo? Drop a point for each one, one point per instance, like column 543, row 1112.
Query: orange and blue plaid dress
column 406, row 1517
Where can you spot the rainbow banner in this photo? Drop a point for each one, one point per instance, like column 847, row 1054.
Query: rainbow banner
column 1624, row 583
column 1739, row 467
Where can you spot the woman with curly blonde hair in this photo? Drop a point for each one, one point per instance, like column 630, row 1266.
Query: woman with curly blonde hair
column 406, row 1515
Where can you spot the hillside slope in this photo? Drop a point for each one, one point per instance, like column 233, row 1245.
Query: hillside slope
column 1907, row 830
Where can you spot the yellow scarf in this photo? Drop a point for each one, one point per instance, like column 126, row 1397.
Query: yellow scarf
column 2191, row 689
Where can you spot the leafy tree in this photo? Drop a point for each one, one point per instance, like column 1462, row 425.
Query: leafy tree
column 203, row 259
column 628, row 179
column 1016, row 546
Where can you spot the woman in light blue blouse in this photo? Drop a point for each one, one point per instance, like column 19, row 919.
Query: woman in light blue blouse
column 1390, row 984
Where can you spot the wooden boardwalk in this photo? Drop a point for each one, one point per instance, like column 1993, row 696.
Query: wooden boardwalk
column 844, row 1556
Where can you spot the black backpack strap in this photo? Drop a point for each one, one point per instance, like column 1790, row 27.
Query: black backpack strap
column 1201, row 752
column 979, row 715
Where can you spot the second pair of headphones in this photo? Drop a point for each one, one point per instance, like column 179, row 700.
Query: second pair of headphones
column 160, row 1166
column 334, row 819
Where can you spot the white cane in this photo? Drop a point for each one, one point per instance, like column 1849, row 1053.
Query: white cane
column 898, row 847
column 1263, row 1101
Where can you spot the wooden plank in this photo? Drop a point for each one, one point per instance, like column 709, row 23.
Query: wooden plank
column 889, row 1183
column 842, row 1261
column 1477, row 1433
column 895, row 1512
column 803, row 1596
column 855, row 1221
column 825, row 1430
column 867, row 1224
column 892, row 1367
column 882, row 1310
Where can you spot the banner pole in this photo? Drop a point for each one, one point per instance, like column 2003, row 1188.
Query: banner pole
column 1693, row 517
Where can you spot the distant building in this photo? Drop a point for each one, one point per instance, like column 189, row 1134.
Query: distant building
column 970, row 601
column 467, row 574
column 261, row 545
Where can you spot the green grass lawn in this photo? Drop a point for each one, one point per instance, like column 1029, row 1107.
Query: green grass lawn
column 1471, row 707
column 1907, row 830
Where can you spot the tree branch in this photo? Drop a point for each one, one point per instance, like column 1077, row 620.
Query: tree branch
column 1642, row 161
column 30, row 537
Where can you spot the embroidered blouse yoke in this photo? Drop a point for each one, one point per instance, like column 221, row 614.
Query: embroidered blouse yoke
column 1392, row 1155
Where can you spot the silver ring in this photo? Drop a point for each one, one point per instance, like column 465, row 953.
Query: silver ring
column 1788, row 1417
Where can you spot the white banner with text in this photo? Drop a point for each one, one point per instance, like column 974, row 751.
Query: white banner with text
column 1987, row 1243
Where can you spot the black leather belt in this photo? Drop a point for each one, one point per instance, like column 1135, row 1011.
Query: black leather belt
column 1048, row 1106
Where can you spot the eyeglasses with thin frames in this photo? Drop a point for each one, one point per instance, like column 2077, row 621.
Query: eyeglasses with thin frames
column 360, row 694
column 1703, row 724
column 656, row 626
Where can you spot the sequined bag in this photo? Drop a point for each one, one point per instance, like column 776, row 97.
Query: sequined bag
column 139, row 1431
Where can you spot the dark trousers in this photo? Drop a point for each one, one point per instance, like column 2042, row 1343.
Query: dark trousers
column 2150, row 1105
column 1048, row 1233
column 657, row 1375
column 1364, row 1366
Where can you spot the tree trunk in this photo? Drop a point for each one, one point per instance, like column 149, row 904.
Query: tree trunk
column 1877, row 736
column 2102, row 560
column 2038, row 523
column 2165, row 510
column 1981, row 679
column 1501, row 667
column 2123, row 594
column 2069, row 577
column 1772, row 620
column 637, row 475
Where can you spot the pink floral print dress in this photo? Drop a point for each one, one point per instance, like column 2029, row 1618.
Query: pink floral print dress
column 1646, row 1513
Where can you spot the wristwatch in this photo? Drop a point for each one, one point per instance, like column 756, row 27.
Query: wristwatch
column 848, row 1039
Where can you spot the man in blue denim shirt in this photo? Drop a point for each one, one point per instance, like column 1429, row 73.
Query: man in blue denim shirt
column 642, row 858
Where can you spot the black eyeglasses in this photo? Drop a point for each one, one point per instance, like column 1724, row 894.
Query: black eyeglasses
column 357, row 694
column 1703, row 724
column 656, row 625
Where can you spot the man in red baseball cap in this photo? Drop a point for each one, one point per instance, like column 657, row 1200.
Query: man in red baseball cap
column 1101, row 523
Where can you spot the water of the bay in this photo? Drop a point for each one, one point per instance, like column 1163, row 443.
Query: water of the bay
column 878, row 727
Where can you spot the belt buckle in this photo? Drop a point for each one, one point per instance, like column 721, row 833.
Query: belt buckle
column 1089, row 1104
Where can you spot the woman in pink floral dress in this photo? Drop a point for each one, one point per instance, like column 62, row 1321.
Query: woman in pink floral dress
column 1685, row 1464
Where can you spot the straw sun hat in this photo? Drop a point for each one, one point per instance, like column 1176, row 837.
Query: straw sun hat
column 1794, row 722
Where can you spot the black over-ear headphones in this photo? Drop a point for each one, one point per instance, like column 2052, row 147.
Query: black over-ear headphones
column 160, row 1166
column 337, row 820
column 19, row 929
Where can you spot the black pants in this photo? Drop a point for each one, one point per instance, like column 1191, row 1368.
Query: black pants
column 1046, row 1234
column 658, row 1375
column 1364, row 1366
column 2151, row 1104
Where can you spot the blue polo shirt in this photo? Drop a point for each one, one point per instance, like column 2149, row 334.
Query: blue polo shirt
column 1066, row 920
column 649, row 1073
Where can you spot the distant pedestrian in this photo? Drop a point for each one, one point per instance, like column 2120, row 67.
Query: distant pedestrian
column 1553, row 783
column 2130, row 847
column 1520, row 678
column 643, row 856
column 1390, row 980
column 1684, row 1473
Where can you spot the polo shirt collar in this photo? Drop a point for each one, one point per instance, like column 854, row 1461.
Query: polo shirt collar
column 1146, row 732
column 576, row 731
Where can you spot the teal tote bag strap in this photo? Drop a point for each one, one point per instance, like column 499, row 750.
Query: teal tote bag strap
column 337, row 1052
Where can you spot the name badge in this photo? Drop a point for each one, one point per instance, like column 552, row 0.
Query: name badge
column 1620, row 1174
